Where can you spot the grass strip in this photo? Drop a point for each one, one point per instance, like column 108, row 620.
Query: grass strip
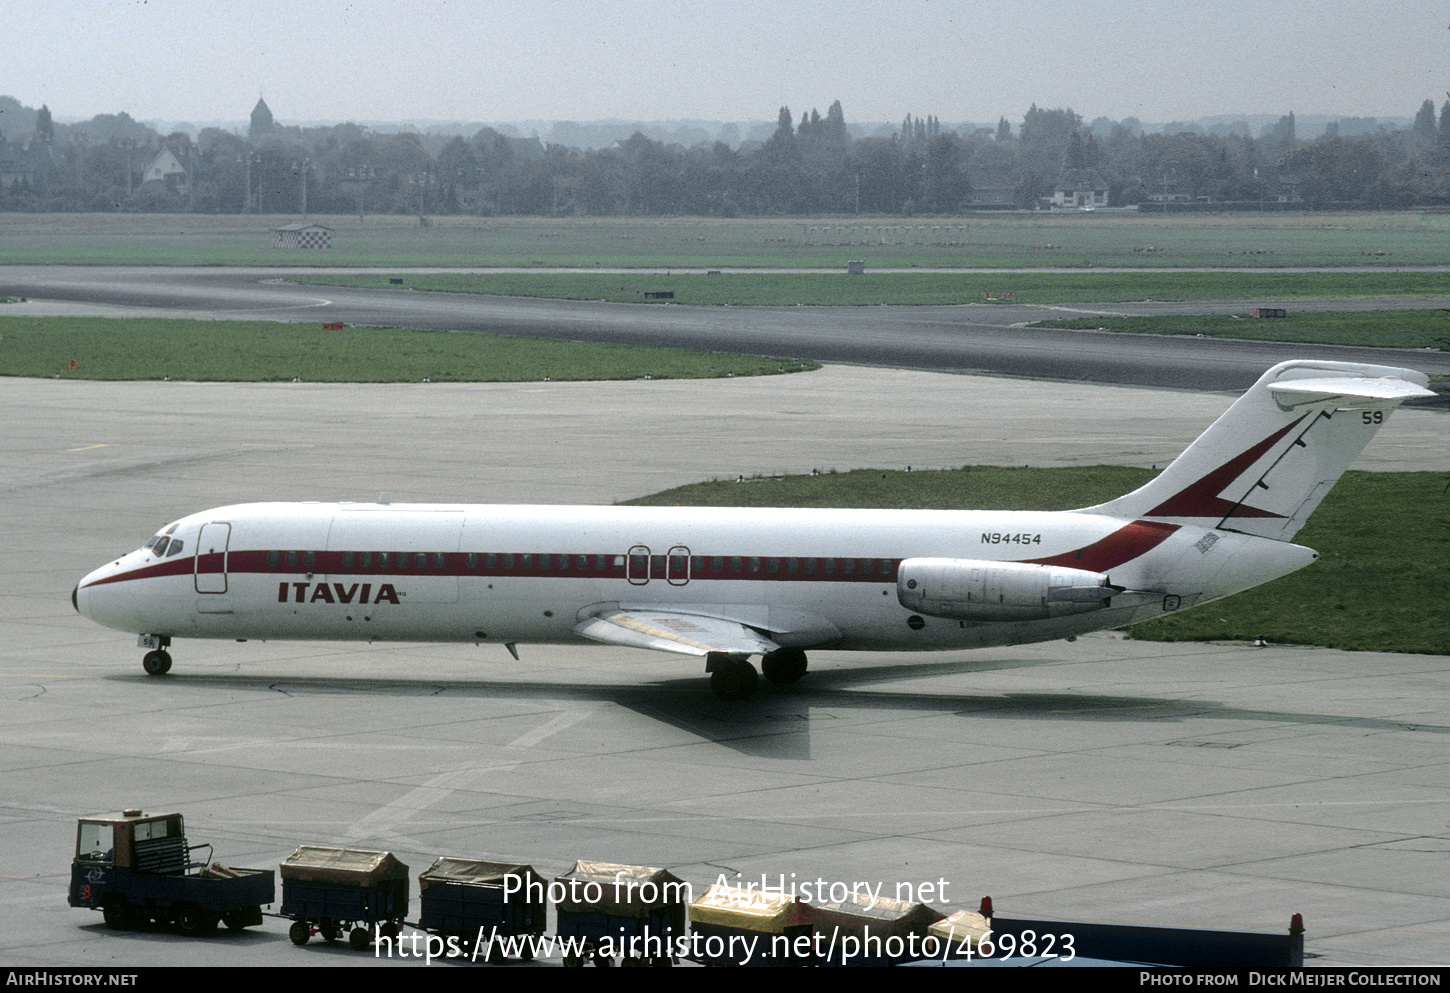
column 265, row 351
column 1383, row 537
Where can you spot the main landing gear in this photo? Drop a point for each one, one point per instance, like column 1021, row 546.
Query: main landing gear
column 786, row 665
column 734, row 678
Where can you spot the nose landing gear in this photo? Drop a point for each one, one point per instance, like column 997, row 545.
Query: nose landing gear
column 156, row 662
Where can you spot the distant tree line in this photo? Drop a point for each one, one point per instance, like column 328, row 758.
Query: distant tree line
column 809, row 165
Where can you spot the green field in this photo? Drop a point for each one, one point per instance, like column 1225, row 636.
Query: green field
column 1377, row 328
column 1007, row 240
column 753, row 289
column 263, row 351
column 1381, row 583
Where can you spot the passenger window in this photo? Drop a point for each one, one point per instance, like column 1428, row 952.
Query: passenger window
column 420, row 559
column 829, row 565
column 292, row 559
column 273, row 558
column 309, row 559
column 367, row 559
column 347, row 560
column 438, row 560
column 755, row 565
column 383, row 559
column 508, row 561
column 490, row 561
column 717, row 564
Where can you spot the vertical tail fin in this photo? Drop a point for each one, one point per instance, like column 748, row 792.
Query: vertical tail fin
column 1264, row 466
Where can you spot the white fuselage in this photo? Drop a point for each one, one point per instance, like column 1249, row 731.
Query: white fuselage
column 530, row 574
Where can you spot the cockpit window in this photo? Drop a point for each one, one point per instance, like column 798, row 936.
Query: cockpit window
column 175, row 548
column 154, row 539
column 160, row 548
column 172, row 529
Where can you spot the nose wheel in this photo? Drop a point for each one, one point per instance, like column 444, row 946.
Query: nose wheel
column 156, row 663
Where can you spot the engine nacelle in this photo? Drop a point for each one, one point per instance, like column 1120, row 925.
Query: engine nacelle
column 976, row 590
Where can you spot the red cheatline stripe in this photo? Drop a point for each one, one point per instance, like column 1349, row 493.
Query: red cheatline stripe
column 1123, row 545
column 1126, row 543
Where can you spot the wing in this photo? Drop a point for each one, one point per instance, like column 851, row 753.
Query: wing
column 674, row 631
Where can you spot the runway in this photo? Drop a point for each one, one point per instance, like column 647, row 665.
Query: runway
column 1203, row 784
column 976, row 338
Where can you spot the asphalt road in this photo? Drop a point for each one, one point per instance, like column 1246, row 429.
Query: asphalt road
column 973, row 338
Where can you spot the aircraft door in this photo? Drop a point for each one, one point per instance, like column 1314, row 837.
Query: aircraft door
column 636, row 565
column 210, row 568
column 677, row 566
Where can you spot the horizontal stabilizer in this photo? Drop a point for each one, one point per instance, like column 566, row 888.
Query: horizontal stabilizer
column 673, row 631
column 1354, row 391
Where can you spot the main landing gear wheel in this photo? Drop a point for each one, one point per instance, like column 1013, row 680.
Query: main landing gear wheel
column 733, row 679
column 156, row 663
column 785, row 665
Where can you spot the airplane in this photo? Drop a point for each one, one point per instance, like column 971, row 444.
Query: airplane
column 729, row 584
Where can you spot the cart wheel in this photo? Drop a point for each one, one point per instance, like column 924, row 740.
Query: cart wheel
column 329, row 930
column 631, row 962
column 299, row 932
column 526, row 952
column 192, row 920
column 662, row 962
column 117, row 913
column 359, row 939
column 390, row 930
column 235, row 920
column 573, row 961
column 602, row 961
column 496, row 955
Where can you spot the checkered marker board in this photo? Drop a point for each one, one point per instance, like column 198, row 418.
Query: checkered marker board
column 313, row 238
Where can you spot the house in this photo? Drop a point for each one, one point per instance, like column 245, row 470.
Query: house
column 1080, row 188
column 166, row 170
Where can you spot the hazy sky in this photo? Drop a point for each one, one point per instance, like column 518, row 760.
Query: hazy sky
column 968, row 60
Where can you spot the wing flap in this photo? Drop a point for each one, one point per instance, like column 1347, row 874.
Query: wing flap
column 673, row 631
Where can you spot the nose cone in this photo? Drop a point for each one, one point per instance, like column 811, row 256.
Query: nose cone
column 100, row 598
